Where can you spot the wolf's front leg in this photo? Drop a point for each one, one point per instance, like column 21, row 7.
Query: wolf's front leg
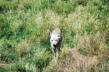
column 54, row 51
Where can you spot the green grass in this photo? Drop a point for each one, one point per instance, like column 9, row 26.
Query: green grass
column 25, row 26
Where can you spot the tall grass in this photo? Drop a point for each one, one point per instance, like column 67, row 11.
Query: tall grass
column 25, row 26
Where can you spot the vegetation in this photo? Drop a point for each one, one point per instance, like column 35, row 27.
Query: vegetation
column 24, row 35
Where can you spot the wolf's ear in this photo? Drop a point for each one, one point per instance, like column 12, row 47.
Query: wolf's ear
column 60, row 38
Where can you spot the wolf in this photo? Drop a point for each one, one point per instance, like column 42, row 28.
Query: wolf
column 55, row 40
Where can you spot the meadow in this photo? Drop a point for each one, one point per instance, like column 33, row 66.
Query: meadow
column 25, row 26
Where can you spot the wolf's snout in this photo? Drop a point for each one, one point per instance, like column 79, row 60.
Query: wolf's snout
column 54, row 45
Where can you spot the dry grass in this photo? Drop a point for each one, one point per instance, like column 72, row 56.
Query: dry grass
column 73, row 61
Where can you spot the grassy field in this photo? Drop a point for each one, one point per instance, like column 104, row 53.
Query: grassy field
column 24, row 35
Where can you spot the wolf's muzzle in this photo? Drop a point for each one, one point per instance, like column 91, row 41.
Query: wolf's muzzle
column 54, row 45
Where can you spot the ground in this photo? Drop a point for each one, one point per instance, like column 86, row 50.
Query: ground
column 24, row 35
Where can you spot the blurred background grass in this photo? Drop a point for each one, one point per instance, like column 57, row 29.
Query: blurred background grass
column 24, row 34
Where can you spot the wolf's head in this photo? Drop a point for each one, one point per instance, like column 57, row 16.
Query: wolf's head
column 54, row 40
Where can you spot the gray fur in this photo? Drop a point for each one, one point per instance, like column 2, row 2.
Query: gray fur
column 55, row 40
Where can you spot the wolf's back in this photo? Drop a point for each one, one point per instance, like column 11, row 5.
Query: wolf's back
column 56, row 32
